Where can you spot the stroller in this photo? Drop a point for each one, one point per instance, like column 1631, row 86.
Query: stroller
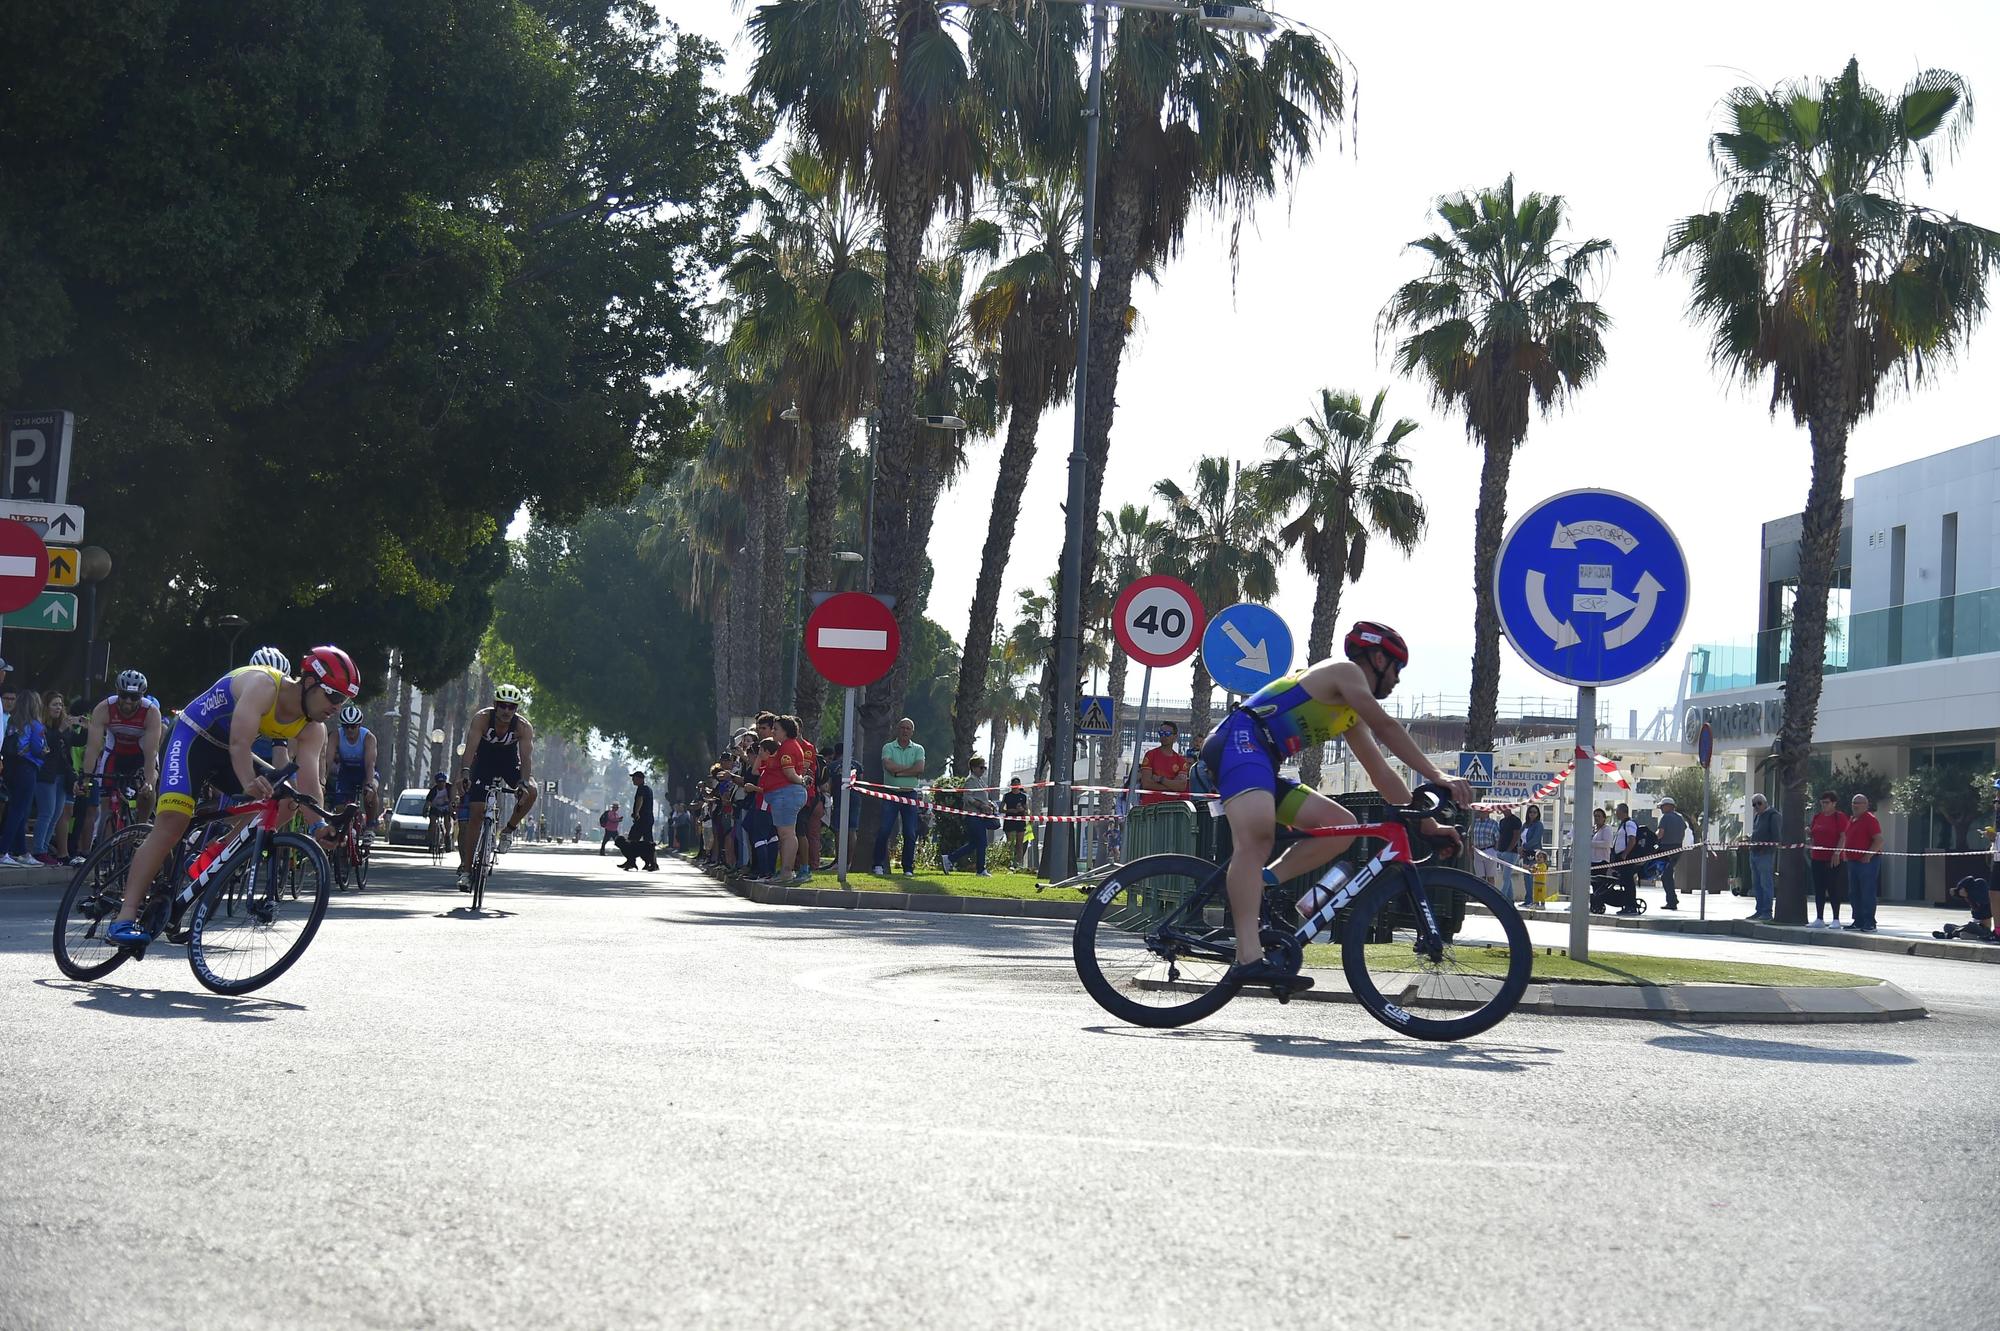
column 1606, row 891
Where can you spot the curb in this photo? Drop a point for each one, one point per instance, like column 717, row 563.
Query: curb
column 13, row 878
column 1763, row 1005
column 1943, row 949
column 1775, row 1005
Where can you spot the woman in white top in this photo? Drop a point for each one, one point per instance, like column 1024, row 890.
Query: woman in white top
column 1602, row 837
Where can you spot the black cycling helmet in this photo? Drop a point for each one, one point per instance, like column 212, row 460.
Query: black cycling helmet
column 1367, row 636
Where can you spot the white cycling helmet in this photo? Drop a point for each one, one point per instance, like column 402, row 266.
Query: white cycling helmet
column 510, row 693
column 131, row 682
column 350, row 715
column 272, row 658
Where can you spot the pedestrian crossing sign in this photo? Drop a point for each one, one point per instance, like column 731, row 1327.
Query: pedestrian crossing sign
column 1476, row 768
column 1094, row 713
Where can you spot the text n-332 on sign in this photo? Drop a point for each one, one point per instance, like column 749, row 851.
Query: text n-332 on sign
column 1158, row 620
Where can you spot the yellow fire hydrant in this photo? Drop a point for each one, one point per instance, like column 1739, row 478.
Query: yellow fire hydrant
column 1541, row 881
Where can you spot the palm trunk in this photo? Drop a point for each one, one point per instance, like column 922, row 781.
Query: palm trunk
column 1819, row 549
column 1319, row 640
column 822, row 508
column 1204, row 686
column 1110, row 754
column 1489, row 526
column 772, row 656
column 401, row 768
column 1016, row 457
column 906, row 214
column 719, row 646
column 996, row 747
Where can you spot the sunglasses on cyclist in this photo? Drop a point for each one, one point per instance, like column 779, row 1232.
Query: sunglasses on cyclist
column 505, row 706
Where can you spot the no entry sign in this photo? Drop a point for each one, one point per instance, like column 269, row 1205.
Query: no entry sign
column 24, row 565
column 852, row 639
column 1158, row 620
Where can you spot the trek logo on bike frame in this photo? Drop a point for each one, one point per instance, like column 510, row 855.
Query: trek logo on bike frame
column 1321, row 918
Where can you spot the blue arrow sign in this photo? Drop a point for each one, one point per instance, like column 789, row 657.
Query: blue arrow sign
column 1591, row 587
column 1094, row 714
column 1246, row 647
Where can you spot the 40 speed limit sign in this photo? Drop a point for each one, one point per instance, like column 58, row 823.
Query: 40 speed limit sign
column 1158, row 620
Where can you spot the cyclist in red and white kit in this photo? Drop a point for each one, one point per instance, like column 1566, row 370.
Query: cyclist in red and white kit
column 124, row 740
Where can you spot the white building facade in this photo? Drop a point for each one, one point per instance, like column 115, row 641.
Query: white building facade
column 1913, row 651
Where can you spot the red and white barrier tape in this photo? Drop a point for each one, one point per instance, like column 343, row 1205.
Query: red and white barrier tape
column 864, row 788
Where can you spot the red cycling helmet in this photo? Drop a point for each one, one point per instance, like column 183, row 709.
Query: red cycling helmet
column 1366, row 634
column 333, row 669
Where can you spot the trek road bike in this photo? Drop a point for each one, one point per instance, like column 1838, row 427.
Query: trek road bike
column 244, row 898
column 1154, row 946
column 487, row 848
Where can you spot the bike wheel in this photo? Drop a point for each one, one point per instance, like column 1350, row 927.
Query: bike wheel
column 1154, row 945
column 482, row 864
column 1410, row 964
column 91, row 904
column 362, row 850
column 337, row 862
column 249, row 927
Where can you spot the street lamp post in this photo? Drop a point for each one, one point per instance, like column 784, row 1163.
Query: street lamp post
column 1069, row 629
column 236, row 624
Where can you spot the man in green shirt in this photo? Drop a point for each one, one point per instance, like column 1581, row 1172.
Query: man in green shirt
column 902, row 768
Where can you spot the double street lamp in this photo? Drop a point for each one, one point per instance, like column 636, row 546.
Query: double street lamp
column 1069, row 629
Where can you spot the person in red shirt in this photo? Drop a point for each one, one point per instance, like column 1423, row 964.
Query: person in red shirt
column 782, row 777
column 1163, row 772
column 1858, row 847
column 1829, row 831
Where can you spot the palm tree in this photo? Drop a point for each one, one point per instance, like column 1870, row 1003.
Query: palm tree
column 1193, row 117
column 1024, row 315
column 1499, row 327
column 884, row 90
column 1008, row 705
column 806, row 289
column 1222, row 546
column 1819, row 269
column 1132, row 541
column 1346, row 479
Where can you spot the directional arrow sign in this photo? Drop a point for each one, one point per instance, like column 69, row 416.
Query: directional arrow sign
column 62, row 566
column 1246, row 647
column 55, row 522
column 53, row 612
column 1611, row 565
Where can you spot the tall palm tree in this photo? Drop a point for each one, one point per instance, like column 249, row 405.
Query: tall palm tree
column 1820, row 270
column 1222, row 546
column 1009, row 704
column 1500, row 326
column 1194, row 118
column 1024, row 315
column 1132, row 541
column 885, row 89
column 806, row 288
column 1347, row 479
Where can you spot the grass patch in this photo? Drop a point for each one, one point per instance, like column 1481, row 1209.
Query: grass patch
column 1556, row 965
column 967, row 884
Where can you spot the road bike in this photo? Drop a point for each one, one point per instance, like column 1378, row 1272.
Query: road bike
column 487, row 848
column 349, row 855
column 252, row 897
column 438, row 836
column 1154, row 946
column 118, row 809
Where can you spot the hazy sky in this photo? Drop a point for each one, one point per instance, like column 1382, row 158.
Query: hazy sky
column 1577, row 99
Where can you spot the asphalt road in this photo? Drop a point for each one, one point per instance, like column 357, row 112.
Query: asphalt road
column 633, row 1101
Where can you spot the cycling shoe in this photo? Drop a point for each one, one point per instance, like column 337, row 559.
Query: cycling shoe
column 129, row 933
column 1273, row 973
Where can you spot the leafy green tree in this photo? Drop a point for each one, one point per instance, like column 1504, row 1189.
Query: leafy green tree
column 1498, row 327
column 1346, row 478
column 1221, row 543
column 1820, row 270
column 1959, row 793
column 367, row 260
column 606, row 639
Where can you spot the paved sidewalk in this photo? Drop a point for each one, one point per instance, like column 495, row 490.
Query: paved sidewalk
column 1902, row 927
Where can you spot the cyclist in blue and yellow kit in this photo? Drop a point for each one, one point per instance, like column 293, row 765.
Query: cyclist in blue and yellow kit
column 211, row 745
column 1326, row 699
